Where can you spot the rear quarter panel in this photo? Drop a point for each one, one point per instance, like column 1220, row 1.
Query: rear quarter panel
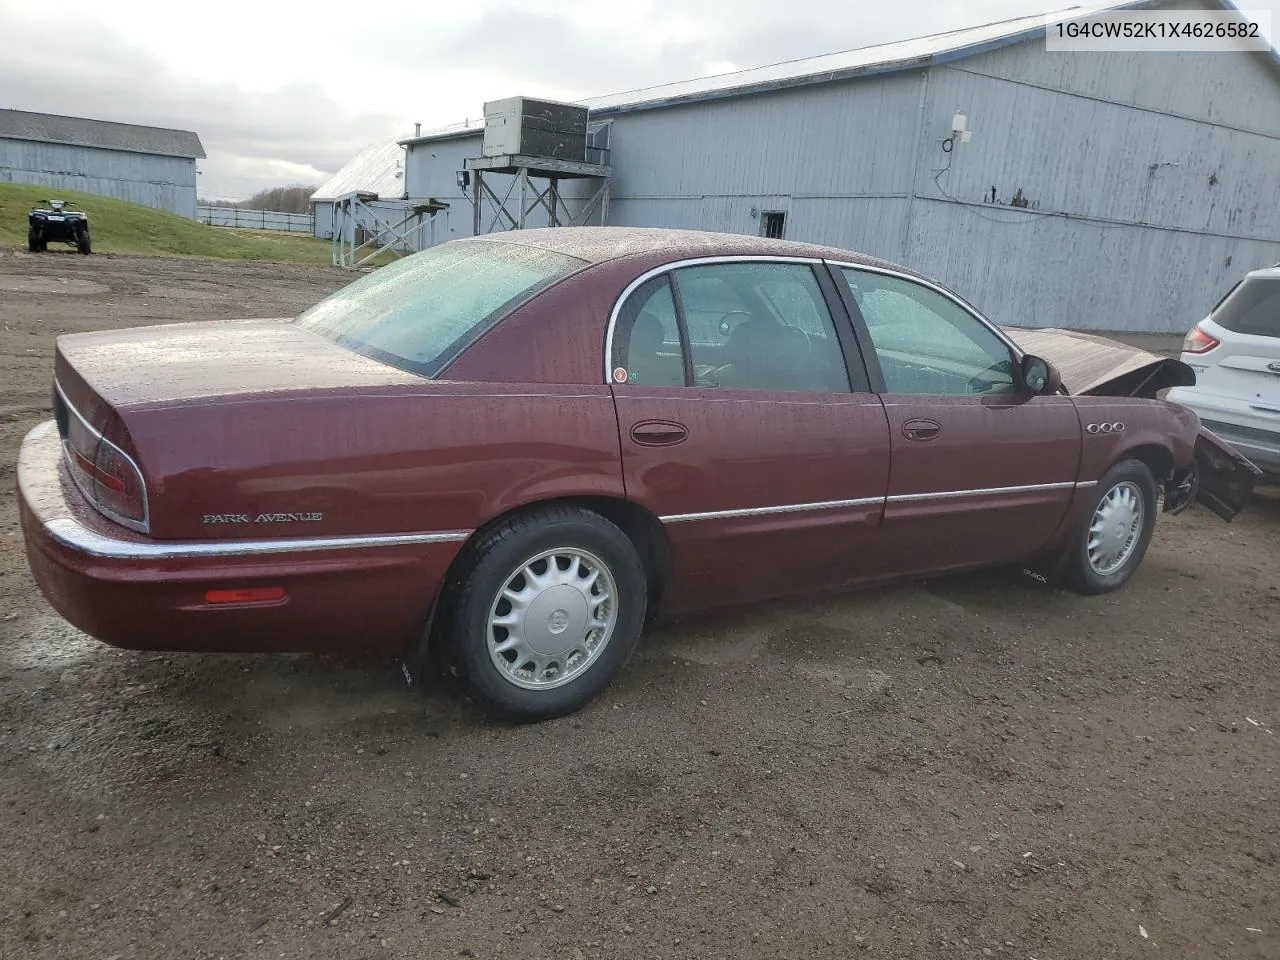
column 438, row 456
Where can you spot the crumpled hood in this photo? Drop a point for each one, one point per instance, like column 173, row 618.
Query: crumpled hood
column 1096, row 365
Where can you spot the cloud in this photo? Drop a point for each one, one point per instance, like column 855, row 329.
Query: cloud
column 254, row 140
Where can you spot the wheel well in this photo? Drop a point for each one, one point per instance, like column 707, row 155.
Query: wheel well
column 1157, row 459
column 641, row 527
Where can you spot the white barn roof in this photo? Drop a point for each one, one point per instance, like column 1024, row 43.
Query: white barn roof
column 378, row 168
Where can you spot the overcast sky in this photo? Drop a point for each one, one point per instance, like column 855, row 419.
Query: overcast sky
column 286, row 92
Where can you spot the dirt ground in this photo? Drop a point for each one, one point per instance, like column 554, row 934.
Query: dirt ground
column 971, row 767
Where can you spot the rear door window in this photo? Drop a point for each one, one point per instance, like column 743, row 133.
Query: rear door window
column 1253, row 308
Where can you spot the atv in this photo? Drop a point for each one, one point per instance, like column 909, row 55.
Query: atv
column 57, row 224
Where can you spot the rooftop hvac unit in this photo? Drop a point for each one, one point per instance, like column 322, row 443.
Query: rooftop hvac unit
column 535, row 128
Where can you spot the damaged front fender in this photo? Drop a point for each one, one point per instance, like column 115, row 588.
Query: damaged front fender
column 1220, row 477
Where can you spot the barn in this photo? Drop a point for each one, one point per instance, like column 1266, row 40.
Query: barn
column 1105, row 191
column 153, row 166
column 377, row 174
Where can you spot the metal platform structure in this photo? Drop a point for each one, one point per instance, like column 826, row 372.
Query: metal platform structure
column 361, row 231
column 529, row 195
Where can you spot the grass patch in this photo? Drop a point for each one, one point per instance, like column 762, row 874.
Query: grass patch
column 121, row 227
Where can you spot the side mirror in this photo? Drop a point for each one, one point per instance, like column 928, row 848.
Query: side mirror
column 1039, row 376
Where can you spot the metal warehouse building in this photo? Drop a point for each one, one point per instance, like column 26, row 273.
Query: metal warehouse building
column 1086, row 190
column 152, row 166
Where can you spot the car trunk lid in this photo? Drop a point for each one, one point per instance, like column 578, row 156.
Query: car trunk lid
column 191, row 362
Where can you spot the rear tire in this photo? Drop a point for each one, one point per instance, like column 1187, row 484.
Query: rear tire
column 33, row 241
column 1116, row 531
column 82, row 242
column 546, row 609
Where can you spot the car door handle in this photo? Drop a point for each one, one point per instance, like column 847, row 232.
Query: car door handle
column 658, row 433
column 921, row 430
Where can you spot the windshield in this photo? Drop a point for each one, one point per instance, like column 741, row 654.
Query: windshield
column 419, row 313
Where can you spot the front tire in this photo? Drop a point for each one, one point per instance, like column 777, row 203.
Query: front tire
column 1116, row 531
column 546, row 610
column 82, row 242
column 33, row 240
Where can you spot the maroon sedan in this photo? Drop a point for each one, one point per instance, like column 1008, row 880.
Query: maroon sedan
column 510, row 450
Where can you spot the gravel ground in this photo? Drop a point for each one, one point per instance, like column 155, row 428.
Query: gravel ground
column 975, row 766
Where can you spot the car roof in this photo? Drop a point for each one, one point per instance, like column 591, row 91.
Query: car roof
column 602, row 244
column 1266, row 273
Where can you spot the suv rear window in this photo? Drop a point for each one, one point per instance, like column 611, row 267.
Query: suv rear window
column 419, row 313
column 1253, row 307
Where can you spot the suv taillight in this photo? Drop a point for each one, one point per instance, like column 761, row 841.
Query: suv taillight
column 1197, row 341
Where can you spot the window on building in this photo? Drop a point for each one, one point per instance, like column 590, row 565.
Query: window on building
column 926, row 343
column 773, row 223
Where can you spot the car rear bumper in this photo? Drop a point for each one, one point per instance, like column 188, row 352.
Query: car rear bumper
column 341, row 594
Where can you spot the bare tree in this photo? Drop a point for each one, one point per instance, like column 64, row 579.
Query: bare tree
column 290, row 199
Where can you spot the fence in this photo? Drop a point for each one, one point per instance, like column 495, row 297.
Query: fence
column 256, row 219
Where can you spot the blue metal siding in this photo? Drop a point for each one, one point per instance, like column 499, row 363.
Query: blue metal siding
column 1051, row 272
column 1138, row 220
column 1235, row 90
column 431, row 170
column 1089, row 158
column 166, row 183
column 847, row 139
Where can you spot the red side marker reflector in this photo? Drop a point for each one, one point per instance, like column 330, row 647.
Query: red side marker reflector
column 245, row 595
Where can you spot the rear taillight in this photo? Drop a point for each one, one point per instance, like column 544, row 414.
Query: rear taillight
column 120, row 491
column 105, row 474
column 1197, row 341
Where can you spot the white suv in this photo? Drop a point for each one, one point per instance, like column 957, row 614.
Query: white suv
column 1235, row 352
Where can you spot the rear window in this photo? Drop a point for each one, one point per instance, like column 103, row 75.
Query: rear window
column 1253, row 307
column 419, row 313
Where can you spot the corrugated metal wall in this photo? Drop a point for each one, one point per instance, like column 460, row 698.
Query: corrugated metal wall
column 837, row 159
column 166, row 183
column 431, row 170
column 1147, row 199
